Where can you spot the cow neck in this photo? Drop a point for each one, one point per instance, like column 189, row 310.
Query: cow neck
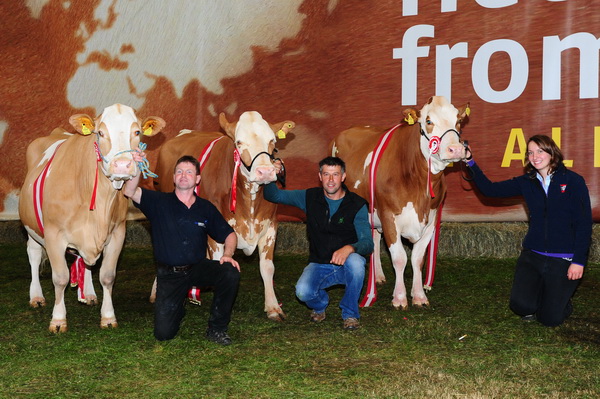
column 101, row 186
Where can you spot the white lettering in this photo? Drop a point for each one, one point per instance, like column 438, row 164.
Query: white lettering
column 409, row 52
column 411, row 7
column 496, row 3
column 443, row 67
column 588, row 46
column 518, row 75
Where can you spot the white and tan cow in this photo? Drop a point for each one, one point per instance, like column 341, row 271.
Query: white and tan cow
column 71, row 201
column 409, row 182
column 254, row 218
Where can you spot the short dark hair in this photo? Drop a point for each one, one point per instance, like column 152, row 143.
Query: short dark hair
column 188, row 159
column 548, row 145
column 332, row 161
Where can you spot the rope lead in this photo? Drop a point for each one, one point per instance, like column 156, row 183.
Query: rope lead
column 145, row 165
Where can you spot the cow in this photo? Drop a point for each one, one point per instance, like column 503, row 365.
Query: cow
column 410, row 184
column 71, row 201
column 235, row 186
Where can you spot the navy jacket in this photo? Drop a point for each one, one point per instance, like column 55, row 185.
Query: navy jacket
column 560, row 222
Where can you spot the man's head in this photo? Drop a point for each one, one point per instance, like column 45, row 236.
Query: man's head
column 186, row 174
column 332, row 173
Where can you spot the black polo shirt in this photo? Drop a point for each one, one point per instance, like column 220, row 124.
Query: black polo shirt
column 179, row 234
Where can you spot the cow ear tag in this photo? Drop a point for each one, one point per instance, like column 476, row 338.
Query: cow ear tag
column 409, row 119
column 148, row 131
column 85, row 130
column 468, row 111
column 280, row 134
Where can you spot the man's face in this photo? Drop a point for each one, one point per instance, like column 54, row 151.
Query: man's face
column 185, row 176
column 332, row 178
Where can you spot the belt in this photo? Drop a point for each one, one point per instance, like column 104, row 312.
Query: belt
column 176, row 269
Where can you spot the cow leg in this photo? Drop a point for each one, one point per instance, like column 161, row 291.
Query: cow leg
column 88, row 289
column 152, row 298
column 107, row 276
column 60, row 279
column 35, row 254
column 399, row 258
column 379, row 276
column 417, row 259
column 266, row 247
column 272, row 308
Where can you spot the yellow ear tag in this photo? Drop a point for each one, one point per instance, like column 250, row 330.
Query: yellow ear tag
column 280, row 134
column 468, row 111
column 410, row 120
column 85, row 130
column 148, row 131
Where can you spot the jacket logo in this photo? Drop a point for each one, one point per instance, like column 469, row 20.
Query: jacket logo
column 341, row 220
column 563, row 188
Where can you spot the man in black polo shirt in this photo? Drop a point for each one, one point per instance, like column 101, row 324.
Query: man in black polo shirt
column 181, row 222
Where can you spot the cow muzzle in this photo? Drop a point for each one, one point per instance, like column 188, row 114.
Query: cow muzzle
column 262, row 173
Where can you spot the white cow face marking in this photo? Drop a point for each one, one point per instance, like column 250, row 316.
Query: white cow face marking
column 440, row 119
column 118, row 132
column 255, row 141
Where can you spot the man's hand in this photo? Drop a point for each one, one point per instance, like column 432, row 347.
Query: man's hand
column 339, row 257
column 278, row 164
column 230, row 260
column 575, row 272
column 138, row 155
column 229, row 249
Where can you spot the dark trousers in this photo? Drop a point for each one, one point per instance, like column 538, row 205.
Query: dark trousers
column 171, row 294
column 541, row 287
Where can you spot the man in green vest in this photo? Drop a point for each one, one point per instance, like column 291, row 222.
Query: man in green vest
column 339, row 236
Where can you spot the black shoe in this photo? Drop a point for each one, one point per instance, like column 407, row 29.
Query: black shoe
column 218, row 337
column 529, row 317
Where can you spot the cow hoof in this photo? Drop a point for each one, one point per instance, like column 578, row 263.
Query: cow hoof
column 91, row 301
column 380, row 282
column 152, row 299
column 277, row 316
column 58, row 326
column 111, row 323
column 399, row 306
column 37, row 302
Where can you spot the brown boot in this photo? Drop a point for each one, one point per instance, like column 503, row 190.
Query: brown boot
column 351, row 323
column 317, row 317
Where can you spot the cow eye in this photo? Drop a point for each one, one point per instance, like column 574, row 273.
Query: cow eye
column 100, row 133
column 137, row 133
column 429, row 122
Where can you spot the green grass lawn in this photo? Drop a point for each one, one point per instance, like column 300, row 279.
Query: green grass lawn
column 414, row 354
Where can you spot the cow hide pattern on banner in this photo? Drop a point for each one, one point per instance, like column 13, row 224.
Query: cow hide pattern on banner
column 326, row 65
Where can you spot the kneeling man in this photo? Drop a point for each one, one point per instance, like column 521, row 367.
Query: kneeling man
column 181, row 223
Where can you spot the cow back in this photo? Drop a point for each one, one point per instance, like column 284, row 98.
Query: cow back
column 401, row 176
column 67, row 195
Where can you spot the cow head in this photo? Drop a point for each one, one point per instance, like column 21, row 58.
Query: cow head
column 441, row 125
column 254, row 140
column 118, row 131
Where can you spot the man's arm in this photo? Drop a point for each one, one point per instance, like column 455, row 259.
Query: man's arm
column 295, row 198
column 230, row 246
column 364, row 245
column 130, row 188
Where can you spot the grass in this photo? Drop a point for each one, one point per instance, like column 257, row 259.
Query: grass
column 413, row 354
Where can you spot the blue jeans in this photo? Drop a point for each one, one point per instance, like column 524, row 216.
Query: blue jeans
column 317, row 277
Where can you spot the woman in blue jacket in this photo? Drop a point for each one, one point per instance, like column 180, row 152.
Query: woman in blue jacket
column 556, row 246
